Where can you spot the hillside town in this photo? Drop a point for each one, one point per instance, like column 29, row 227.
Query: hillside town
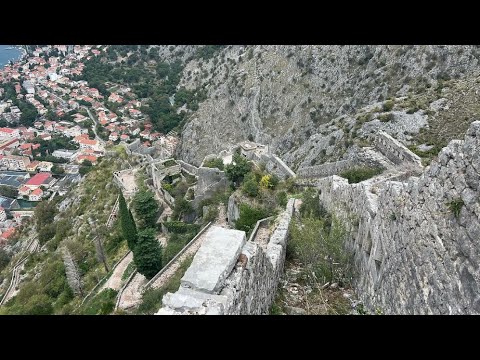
column 55, row 127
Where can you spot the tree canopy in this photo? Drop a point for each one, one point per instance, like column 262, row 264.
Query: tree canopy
column 129, row 229
column 148, row 253
column 146, row 208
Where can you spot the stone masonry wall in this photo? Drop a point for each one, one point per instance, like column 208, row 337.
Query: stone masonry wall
column 412, row 253
column 394, row 150
column 188, row 167
column 250, row 286
column 326, row 169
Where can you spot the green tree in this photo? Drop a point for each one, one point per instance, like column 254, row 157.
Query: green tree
column 58, row 169
column 127, row 224
column 236, row 171
column 84, row 170
column 148, row 253
column 250, row 187
column 4, row 259
column 44, row 214
column 182, row 207
column 46, row 233
column 8, row 191
column 146, row 208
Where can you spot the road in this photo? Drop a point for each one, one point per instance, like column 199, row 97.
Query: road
column 94, row 128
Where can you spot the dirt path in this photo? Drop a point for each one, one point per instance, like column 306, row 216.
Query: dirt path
column 115, row 280
column 132, row 294
column 172, row 269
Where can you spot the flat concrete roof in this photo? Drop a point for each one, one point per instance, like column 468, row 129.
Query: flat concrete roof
column 215, row 259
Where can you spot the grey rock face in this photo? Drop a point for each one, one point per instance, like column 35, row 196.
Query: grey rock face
column 286, row 96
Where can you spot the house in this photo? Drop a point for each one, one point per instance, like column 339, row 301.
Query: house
column 3, row 214
column 9, row 133
column 45, row 137
column 65, row 154
column 29, row 87
column 45, row 166
column 29, row 135
column 14, row 143
column 113, row 136
column 41, row 179
column 78, row 138
column 24, row 191
column 15, row 162
column 135, row 113
column 89, row 144
column 36, row 195
column 32, row 167
column 124, row 137
column 91, row 158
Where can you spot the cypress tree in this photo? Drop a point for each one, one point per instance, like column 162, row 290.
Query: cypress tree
column 148, row 253
column 127, row 223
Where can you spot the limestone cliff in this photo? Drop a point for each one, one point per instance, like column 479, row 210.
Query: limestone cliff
column 287, row 96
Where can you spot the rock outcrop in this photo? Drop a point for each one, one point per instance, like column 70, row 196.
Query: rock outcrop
column 288, row 96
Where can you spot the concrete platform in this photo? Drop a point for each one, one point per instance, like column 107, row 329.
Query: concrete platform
column 215, row 259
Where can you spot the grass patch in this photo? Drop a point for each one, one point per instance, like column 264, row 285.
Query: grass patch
column 152, row 298
column 101, row 304
column 360, row 174
column 128, row 271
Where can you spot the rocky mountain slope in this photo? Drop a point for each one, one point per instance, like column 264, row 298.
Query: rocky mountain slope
column 305, row 101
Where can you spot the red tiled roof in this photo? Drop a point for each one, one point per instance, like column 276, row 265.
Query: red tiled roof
column 88, row 142
column 37, row 191
column 38, row 179
column 90, row 158
column 7, row 233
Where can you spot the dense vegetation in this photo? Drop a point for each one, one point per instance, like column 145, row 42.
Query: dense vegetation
column 359, row 174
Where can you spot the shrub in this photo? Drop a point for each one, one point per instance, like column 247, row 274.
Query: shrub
column 250, row 187
column 282, row 199
column 321, row 250
column 214, row 163
column 311, row 206
column 248, row 217
column 179, row 227
column 388, row 105
column 386, row 117
column 359, row 174
column 455, row 207
column 101, row 304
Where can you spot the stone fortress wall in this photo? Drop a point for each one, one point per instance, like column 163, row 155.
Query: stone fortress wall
column 413, row 253
column 230, row 275
column 387, row 152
